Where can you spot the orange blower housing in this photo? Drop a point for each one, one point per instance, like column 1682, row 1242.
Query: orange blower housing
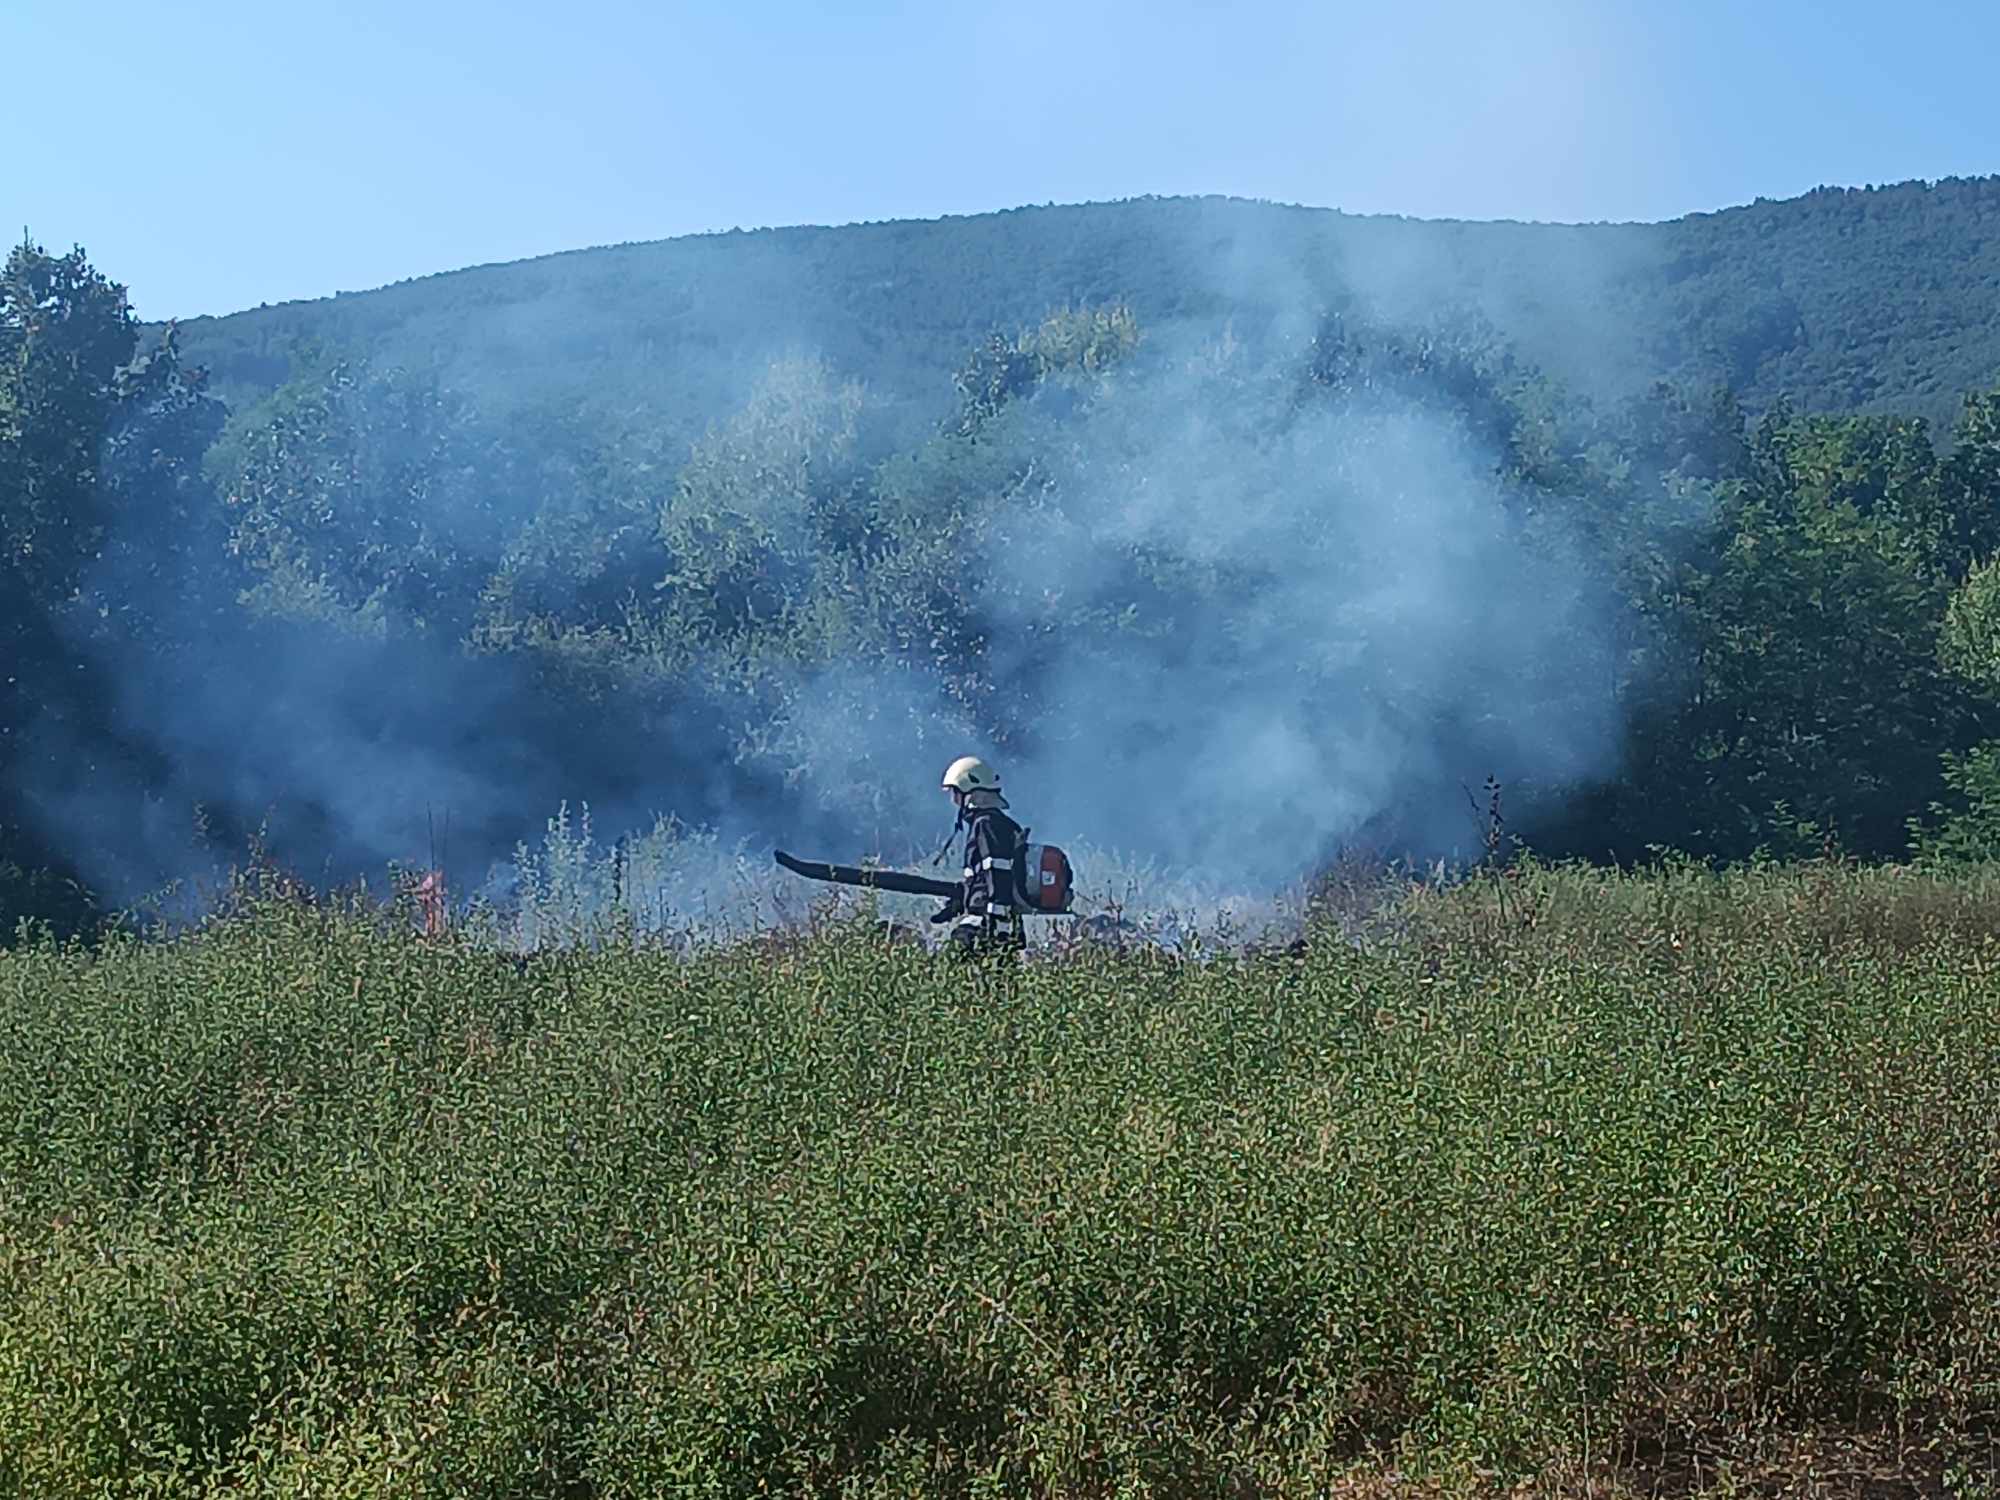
column 1044, row 878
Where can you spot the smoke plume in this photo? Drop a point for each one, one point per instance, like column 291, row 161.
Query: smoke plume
column 1242, row 602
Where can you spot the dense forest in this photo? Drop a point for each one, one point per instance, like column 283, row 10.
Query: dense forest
column 1242, row 536
column 1845, row 300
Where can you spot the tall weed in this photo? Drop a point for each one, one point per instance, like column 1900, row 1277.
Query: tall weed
column 1554, row 1175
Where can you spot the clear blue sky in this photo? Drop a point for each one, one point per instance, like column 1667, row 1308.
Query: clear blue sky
column 215, row 155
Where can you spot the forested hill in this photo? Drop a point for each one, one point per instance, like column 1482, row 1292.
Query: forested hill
column 1877, row 299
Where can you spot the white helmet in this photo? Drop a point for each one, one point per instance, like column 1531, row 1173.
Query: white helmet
column 970, row 775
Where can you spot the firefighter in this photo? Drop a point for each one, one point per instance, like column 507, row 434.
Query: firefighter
column 984, row 914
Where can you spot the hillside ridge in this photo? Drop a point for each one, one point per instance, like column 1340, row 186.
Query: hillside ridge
column 814, row 227
column 1876, row 298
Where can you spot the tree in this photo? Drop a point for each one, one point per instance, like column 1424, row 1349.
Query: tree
column 373, row 500
column 1069, row 341
column 1969, row 643
column 66, row 333
column 90, row 438
column 1970, row 482
column 763, row 497
column 1816, row 703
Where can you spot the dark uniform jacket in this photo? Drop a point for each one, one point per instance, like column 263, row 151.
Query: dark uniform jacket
column 985, row 908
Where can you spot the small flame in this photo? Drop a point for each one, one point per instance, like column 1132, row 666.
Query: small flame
column 431, row 904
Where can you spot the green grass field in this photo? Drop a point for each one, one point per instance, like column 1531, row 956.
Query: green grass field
column 1599, row 1184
